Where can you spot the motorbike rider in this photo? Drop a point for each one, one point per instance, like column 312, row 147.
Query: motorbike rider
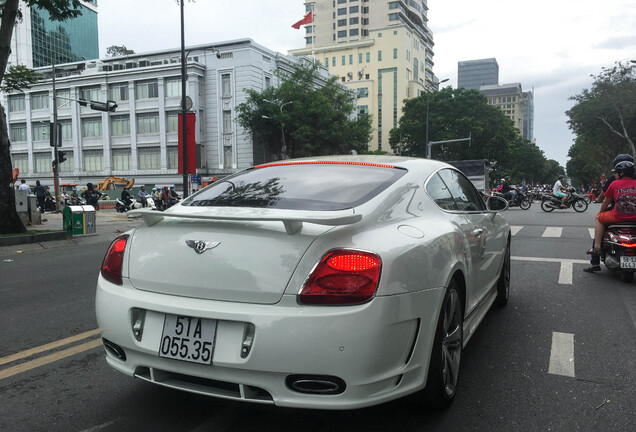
column 507, row 190
column 559, row 190
column 143, row 196
column 620, row 158
column 74, row 197
column 623, row 191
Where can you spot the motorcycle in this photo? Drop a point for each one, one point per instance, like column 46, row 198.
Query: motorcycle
column 549, row 202
column 618, row 249
column 521, row 199
column 591, row 196
column 134, row 205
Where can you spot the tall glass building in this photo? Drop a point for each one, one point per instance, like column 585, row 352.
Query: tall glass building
column 472, row 74
column 39, row 41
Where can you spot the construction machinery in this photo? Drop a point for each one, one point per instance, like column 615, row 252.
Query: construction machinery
column 115, row 183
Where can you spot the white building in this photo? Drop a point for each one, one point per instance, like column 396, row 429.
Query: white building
column 140, row 139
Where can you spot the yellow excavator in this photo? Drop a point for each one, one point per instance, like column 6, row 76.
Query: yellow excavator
column 115, row 183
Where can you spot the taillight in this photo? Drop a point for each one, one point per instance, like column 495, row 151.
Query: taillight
column 114, row 260
column 342, row 277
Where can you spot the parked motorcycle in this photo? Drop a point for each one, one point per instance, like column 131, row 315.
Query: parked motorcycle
column 134, row 205
column 619, row 249
column 521, row 199
column 549, row 202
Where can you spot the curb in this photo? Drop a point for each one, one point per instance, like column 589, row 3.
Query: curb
column 33, row 238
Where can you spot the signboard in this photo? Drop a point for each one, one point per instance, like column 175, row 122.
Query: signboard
column 191, row 137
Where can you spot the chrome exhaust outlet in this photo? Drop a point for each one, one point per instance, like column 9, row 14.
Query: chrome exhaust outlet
column 316, row 384
column 114, row 349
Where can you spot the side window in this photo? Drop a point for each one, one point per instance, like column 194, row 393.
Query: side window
column 439, row 192
column 466, row 196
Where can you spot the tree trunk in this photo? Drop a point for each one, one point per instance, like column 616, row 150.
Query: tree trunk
column 9, row 220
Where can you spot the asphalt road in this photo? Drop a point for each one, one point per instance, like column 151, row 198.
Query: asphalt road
column 559, row 357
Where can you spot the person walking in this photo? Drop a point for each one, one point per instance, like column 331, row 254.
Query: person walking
column 40, row 195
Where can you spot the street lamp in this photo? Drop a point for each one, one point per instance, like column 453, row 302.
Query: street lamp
column 428, row 148
column 280, row 105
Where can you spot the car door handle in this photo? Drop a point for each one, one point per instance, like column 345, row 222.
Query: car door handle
column 477, row 232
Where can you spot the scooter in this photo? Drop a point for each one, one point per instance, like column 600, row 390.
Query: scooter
column 549, row 202
column 618, row 249
column 521, row 199
column 134, row 205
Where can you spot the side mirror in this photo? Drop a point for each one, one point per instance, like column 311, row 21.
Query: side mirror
column 496, row 204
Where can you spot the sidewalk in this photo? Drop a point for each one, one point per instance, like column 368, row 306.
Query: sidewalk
column 108, row 225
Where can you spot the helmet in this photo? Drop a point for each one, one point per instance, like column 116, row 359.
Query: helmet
column 621, row 158
column 625, row 167
column 561, row 176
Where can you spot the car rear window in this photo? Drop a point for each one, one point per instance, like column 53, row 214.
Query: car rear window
column 306, row 186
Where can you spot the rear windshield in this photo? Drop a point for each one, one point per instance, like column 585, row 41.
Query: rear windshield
column 299, row 187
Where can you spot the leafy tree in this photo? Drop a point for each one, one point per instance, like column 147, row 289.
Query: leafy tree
column 118, row 51
column 9, row 13
column 604, row 122
column 315, row 119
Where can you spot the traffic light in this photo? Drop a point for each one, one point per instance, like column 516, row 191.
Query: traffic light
column 60, row 156
column 108, row 106
column 82, row 102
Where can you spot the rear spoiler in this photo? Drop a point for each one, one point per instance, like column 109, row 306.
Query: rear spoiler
column 291, row 219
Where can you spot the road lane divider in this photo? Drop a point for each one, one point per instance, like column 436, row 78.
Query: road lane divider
column 23, row 367
column 565, row 272
column 47, row 347
column 562, row 354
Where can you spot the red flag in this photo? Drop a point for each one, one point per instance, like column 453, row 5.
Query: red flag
column 309, row 18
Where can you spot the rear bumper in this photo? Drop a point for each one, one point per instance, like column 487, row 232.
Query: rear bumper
column 380, row 349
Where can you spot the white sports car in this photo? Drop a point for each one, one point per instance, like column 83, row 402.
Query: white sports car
column 328, row 282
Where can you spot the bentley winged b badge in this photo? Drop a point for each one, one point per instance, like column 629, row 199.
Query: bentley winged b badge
column 201, row 246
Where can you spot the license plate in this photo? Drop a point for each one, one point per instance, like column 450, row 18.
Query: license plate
column 188, row 339
column 628, row 262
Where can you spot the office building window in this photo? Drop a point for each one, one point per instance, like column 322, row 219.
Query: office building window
column 121, row 159
column 18, row 132
column 42, row 162
column 147, row 123
column 363, row 92
column 90, row 93
column 67, row 129
column 91, row 127
column 342, row 1
column 333, row 61
column 393, row 17
column 354, row 9
column 226, row 86
column 118, row 92
column 342, row 33
column 173, row 87
column 227, row 121
column 69, row 164
column 21, row 162
column 172, row 152
column 395, row 51
column 40, row 131
column 342, row 11
column 393, row 5
column 379, row 55
column 146, row 90
column 354, row 21
column 342, row 22
column 172, row 122
column 268, row 80
column 62, row 97
column 16, row 103
column 93, row 160
column 350, row 59
column 39, row 101
column 120, row 125
column 363, row 109
column 149, row 158
column 360, row 58
column 344, row 60
column 354, row 32
column 368, row 57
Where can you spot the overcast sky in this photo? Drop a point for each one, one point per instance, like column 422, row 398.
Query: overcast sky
column 552, row 46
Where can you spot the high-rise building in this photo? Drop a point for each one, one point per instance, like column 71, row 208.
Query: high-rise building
column 472, row 74
column 381, row 49
column 528, row 115
column 38, row 41
column 509, row 98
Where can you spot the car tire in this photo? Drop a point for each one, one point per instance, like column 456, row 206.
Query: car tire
column 503, row 284
column 444, row 366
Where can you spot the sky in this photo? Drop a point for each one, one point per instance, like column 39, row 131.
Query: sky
column 551, row 46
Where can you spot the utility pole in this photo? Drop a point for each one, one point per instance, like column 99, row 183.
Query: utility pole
column 55, row 142
column 184, row 120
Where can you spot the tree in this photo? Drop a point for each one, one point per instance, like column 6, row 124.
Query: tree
column 10, row 12
column 315, row 119
column 604, row 122
column 118, row 51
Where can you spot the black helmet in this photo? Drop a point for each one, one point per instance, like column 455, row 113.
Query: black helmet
column 622, row 158
column 625, row 167
column 560, row 176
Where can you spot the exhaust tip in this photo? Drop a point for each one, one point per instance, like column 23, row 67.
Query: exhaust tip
column 114, row 349
column 316, row 384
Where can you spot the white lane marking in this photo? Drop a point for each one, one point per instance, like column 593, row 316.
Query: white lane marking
column 552, row 232
column 514, row 229
column 562, row 354
column 565, row 272
column 591, row 230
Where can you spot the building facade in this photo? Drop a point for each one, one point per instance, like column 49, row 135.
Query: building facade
column 528, row 115
column 508, row 98
column 381, row 49
column 140, row 139
column 473, row 74
column 38, row 41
